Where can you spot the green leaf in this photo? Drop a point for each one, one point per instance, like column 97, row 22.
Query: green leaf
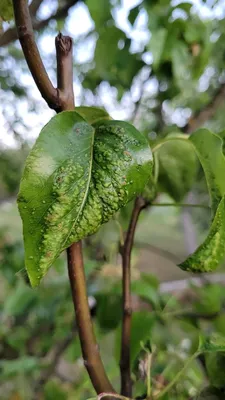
column 180, row 63
column 107, row 51
column 92, row 114
column 6, row 10
column 24, row 364
column 209, row 148
column 213, row 344
column 156, row 45
column 53, row 391
column 76, row 177
column 108, row 310
column 19, row 300
column 145, row 290
column 177, row 167
column 215, row 363
column 99, row 11
column 212, row 251
column 141, row 327
column 133, row 14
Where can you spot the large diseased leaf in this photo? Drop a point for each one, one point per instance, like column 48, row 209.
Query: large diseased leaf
column 209, row 148
column 210, row 254
column 76, row 177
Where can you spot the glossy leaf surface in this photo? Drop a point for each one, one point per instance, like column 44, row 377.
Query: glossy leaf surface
column 76, row 177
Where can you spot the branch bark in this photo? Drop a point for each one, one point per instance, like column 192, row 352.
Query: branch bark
column 11, row 34
column 90, row 350
column 32, row 55
column 125, row 368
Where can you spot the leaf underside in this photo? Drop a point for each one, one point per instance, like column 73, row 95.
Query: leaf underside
column 209, row 148
column 211, row 252
column 76, row 177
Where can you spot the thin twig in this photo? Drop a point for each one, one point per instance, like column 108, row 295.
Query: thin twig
column 125, row 369
column 32, row 55
column 90, row 350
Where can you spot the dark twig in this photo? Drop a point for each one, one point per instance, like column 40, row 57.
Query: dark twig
column 126, row 384
column 31, row 53
column 90, row 350
column 34, row 6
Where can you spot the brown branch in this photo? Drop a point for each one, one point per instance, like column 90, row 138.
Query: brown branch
column 11, row 34
column 125, row 369
column 64, row 56
column 207, row 112
column 32, row 55
column 90, row 350
column 34, row 7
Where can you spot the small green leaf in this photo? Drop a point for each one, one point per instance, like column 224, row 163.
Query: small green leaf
column 133, row 14
column 19, row 300
column 212, row 344
column 23, row 365
column 177, row 167
column 76, row 177
column 6, row 10
column 99, row 11
column 212, row 251
column 209, row 148
column 141, row 327
column 156, row 45
column 181, row 63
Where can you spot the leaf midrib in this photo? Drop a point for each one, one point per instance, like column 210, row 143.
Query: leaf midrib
column 86, row 191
